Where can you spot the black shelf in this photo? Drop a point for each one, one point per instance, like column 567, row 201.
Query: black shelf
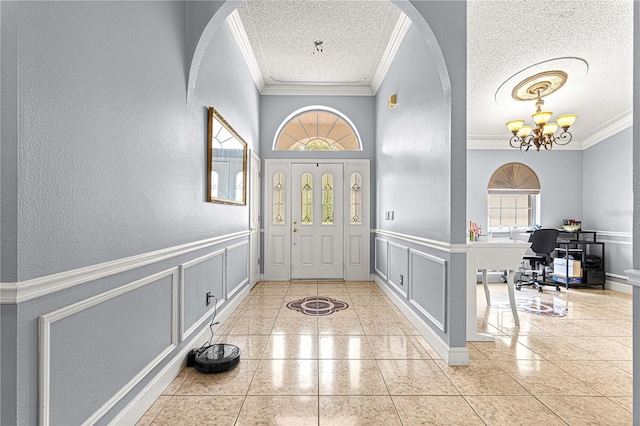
column 589, row 252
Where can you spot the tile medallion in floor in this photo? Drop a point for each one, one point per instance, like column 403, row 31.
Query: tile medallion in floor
column 367, row 365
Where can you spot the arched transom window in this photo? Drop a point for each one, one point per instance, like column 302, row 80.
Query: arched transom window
column 513, row 191
column 317, row 129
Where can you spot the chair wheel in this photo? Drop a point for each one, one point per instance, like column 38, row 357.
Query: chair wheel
column 540, row 291
column 557, row 289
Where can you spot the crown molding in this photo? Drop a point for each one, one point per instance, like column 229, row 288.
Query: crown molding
column 317, row 90
column 397, row 37
column 495, row 143
column 610, row 128
column 240, row 36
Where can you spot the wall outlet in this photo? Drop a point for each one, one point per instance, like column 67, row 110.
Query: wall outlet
column 392, row 214
column 209, row 297
column 401, row 279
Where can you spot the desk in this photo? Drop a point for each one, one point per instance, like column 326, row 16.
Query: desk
column 495, row 254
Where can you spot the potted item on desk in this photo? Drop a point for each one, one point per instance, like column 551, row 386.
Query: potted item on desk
column 474, row 231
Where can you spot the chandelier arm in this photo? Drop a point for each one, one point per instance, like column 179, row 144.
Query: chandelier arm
column 525, row 144
column 515, row 141
column 564, row 138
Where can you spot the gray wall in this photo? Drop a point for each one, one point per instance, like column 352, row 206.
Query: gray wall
column 413, row 146
column 560, row 174
column 607, row 184
column 108, row 152
column 109, row 162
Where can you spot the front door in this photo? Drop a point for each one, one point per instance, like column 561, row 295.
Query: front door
column 317, row 230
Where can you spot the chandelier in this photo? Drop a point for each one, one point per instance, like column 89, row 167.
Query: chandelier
column 542, row 134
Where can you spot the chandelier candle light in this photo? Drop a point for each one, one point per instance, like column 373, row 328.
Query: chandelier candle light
column 543, row 134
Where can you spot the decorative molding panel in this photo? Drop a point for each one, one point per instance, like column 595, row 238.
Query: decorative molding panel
column 451, row 355
column 145, row 399
column 12, row 293
column 415, row 257
column 230, row 288
column 185, row 333
column 393, row 277
column 381, row 253
column 44, row 342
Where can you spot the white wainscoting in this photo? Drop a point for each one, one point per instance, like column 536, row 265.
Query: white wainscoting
column 426, row 281
column 12, row 293
column 381, row 258
column 145, row 399
column 183, row 283
column 232, row 286
column 398, row 267
column 44, row 342
column 424, row 267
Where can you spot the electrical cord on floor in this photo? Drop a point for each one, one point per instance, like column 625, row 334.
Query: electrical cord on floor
column 213, row 322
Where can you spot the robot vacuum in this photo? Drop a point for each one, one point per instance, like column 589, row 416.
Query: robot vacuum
column 217, row 358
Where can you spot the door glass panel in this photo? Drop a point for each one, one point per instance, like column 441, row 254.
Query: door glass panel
column 355, row 199
column 327, row 199
column 306, row 199
column 278, row 198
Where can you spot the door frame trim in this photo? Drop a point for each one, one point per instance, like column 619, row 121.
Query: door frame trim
column 277, row 238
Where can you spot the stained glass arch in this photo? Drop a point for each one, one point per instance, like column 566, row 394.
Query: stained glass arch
column 317, row 128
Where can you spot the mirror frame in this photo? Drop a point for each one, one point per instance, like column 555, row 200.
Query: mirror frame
column 213, row 114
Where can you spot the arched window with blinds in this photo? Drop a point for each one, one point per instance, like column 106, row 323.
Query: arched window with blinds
column 513, row 197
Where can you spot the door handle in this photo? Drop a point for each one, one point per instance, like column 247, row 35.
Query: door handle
column 295, row 229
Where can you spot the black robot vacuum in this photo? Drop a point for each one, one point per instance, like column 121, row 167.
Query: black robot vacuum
column 217, row 358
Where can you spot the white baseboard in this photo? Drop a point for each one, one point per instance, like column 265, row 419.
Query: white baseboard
column 452, row 356
column 134, row 411
column 615, row 285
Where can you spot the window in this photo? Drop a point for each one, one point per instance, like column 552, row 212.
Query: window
column 513, row 197
column 306, row 199
column 317, row 128
column 327, row 199
column 355, row 199
column 278, row 198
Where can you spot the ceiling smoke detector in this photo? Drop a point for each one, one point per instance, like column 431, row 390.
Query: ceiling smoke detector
column 317, row 47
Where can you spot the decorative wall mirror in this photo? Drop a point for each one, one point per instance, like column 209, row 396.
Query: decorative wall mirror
column 227, row 162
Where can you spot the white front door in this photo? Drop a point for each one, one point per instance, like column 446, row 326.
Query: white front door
column 317, row 221
column 254, row 221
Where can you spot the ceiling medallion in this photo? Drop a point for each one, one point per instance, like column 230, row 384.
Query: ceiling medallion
column 536, row 87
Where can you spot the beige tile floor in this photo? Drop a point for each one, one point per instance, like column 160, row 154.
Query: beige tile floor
column 366, row 365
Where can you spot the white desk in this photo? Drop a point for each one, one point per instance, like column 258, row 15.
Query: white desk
column 496, row 254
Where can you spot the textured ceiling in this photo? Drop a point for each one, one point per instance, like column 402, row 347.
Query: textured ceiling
column 354, row 35
column 507, row 39
column 503, row 40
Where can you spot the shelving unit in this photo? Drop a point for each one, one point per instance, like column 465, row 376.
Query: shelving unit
column 583, row 246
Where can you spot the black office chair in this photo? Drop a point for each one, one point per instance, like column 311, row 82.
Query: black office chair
column 543, row 243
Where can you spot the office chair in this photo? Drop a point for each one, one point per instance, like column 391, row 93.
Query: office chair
column 543, row 243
